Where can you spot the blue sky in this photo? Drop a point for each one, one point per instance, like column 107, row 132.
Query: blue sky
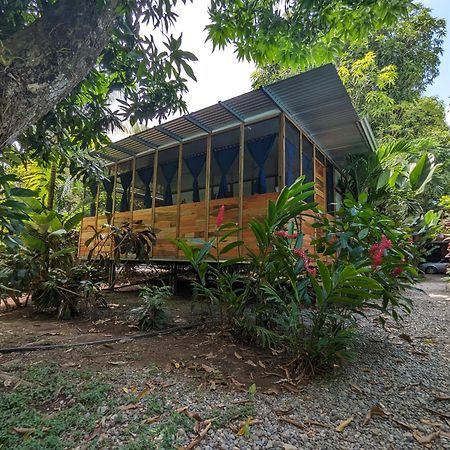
column 441, row 85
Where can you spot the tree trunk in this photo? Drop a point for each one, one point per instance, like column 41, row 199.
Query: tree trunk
column 51, row 187
column 42, row 63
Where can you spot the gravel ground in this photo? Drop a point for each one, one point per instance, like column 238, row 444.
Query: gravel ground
column 395, row 396
column 401, row 375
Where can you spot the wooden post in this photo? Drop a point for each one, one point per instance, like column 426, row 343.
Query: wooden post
column 180, row 168
column 133, row 180
column 281, row 153
column 301, row 152
column 113, row 212
column 207, row 184
column 154, row 186
column 97, row 200
column 241, row 181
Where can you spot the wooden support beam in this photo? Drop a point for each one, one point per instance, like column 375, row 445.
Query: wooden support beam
column 154, row 187
column 180, row 169
column 113, row 212
column 241, row 181
column 208, row 184
column 281, row 152
column 133, row 181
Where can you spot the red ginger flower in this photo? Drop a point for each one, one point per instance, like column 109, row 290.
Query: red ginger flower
column 282, row 233
column 376, row 251
column 220, row 216
column 306, row 261
column 396, row 271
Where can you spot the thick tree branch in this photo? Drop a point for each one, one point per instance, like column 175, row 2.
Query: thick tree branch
column 42, row 63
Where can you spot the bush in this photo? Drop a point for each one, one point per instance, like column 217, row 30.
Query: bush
column 308, row 302
column 43, row 266
column 153, row 313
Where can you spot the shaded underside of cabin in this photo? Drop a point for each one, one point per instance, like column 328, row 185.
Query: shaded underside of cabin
column 239, row 153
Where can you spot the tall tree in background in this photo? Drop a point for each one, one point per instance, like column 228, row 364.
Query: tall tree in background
column 49, row 46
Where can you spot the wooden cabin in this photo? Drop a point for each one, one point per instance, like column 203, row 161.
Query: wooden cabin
column 239, row 153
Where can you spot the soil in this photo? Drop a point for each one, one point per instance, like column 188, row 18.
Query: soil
column 200, row 347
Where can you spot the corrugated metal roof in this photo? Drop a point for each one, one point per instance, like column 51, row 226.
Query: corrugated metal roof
column 316, row 100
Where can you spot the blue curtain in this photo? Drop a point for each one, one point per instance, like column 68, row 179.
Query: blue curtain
column 169, row 170
column 195, row 165
column 290, row 151
column 146, row 174
column 225, row 158
column 125, row 181
column 108, row 184
column 260, row 150
column 93, row 188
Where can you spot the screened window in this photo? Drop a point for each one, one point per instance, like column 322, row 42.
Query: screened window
column 106, row 192
column 123, row 186
column 225, row 165
column 143, row 183
column 307, row 161
column 330, row 187
column 261, row 157
column 166, row 192
column 292, row 153
column 193, row 175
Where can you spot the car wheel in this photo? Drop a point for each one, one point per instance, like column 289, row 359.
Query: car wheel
column 431, row 270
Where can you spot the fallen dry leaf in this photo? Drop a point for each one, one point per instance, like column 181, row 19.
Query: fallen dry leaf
column 150, row 420
column 129, row 407
column 261, row 364
column 356, row 388
column 117, row 363
column 376, row 410
column 271, row 391
column 144, row 393
column 207, row 369
column 405, row 337
column 24, row 430
column 344, row 424
column 250, row 363
column 427, row 439
column 237, row 355
column 292, row 422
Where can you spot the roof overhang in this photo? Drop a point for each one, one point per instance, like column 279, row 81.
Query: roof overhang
column 316, row 101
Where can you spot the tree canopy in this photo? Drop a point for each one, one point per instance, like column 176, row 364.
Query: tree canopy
column 123, row 47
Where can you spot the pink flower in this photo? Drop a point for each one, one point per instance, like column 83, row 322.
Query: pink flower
column 376, row 251
column 282, row 233
column 292, row 236
column 220, row 216
column 306, row 261
column 385, row 242
column 397, row 271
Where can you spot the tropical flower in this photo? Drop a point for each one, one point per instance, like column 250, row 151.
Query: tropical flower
column 281, row 233
column 396, row 271
column 220, row 216
column 306, row 261
column 376, row 251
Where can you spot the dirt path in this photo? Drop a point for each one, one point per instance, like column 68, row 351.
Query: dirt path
column 131, row 395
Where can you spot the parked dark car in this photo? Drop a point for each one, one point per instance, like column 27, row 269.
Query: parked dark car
column 435, row 267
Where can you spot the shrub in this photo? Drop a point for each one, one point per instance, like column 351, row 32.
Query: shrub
column 303, row 301
column 153, row 313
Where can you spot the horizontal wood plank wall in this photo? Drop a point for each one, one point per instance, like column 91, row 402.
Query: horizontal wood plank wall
column 165, row 229
column 255, row 207
column 193, row 221
column 231, row 215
